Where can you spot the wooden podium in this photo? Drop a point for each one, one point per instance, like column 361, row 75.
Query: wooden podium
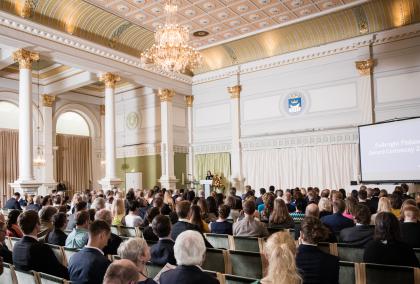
column 206, row 184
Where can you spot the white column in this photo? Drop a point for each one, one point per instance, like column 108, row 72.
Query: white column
column 110, row 180
column 25, row 182
column 365, row 90
column 48, row 133
column 168, row 179
column 237, row 179
column 190, row 166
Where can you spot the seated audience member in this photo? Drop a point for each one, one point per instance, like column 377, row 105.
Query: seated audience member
column 351, row 203
column 288, row 200
column 5, row 253
column 396, row 203
column 137, row 251
column 234, row 213
column 13, row 229
column 410, row 228
column 183, row 224
column 406, row 203
column 13, row 202
column 98, row 204
column 362, row 196
column 221, row 225
column 325, row 207
column 46, row 216
column 248, row 226
column 299, row 214
column 195, row 218
column 162, row 252
column 189, row 252
column 280, row 217
column 267, row 207
column 30, row 254
column 336, row 222
column 148, row 233
column 114, row 240
column 211, row 206
column 387, row 246
column 121, row 272
column 315, row 265
column 78, row 238
column 372, row 199
column 118, row 212
column 133, row 219
column 34, row 203
column 80, row 206
column 88, row 266
column 57, row 235
column 362, row 233
column 163, row 208
column 259, row 200
column 280, row 252
column 206, row 215
column 384, row 205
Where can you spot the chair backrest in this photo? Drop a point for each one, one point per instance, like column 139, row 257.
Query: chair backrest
column 386, row 274
column 129, row 232
column 216, row 260
column 68, row 252
column 325, row 247
column 115, row 257
column 245, row 263
column 219, row 241
column 347, row 272
column 234, row 279
column 246, row 244
column 59, row 253
column 8, row 243
column 350, row 253
column 50, row 279
column 417, row 252
column 27, row 276
column 153, row 269
column 9, row 275
column 115, row 230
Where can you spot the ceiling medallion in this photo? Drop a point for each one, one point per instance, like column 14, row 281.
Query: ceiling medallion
column 201, row 33
column 171, row 51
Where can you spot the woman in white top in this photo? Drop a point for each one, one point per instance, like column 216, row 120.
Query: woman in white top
column 133, row 219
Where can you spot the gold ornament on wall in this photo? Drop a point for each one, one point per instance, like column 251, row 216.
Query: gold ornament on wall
column 189, row 100
column 365, row 67
column 25, row 58
column 47, row 100
column 109, row 79
column 166, row 95
column 235, row 91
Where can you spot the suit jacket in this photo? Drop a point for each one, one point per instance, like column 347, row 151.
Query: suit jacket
column 88, row 266
column 373, row 204
column 6, row 254
column 56, row 237
column 238, row 203
column 33, row 206
column 29, row 254
column 12, row 204
column 410, row 233
column 358, row 235
column 163, row 252
column 249, row 227
column 392, row 253
column 182, row 226
column 113, row 245
column 186, row 275
column 337, row 222
column 317, row 266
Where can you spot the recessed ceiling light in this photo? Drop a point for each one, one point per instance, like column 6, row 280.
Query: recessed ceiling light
column 273, row 10
column 156, row 10
column 263, row 24
column 234, row 23
column 227, row 35
column 222, row 15
column 328, row 4
column 283, row 18
column 245, row 30
column 208, row 6
column 122, row 8
column 204, row 21
column 305, row 12
column 254, row 17
column 189, row 13
column 296, row 3
column 264, row 2
column 242, row 8
column 200, row 33
column 211, row 40
column 140, row 17
column 216, row 29
column 139, row 1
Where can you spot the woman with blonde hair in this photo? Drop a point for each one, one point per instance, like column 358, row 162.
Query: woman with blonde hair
column 325, row 207
column 280, row 252
column 168, row 200
column 118, row 212
column 384, row 205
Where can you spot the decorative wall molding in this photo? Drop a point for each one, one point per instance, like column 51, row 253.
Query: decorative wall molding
column 146, row 150
column 212, row 148
column 312, row 53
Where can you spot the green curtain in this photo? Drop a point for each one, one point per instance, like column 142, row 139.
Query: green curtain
column 217, row 163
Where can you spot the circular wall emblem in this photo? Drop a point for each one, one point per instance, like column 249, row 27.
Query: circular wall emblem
column 132, row 120
column 295, row 103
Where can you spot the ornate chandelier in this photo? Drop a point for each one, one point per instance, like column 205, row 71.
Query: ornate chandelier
column 171, row 52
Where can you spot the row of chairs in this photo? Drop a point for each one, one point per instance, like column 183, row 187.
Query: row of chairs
column 11, row 275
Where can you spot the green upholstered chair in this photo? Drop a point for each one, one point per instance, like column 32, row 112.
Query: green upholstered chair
column 234, row 279
column 9, row 275
column 153, row 269
column 26, row 276
column 115, row 230
column 325, row 247
column 216, row 260
column 59, row 253
column 350, row 253
column 246, row 244
column 68, row 252
column 245, row 263
column 50, row 279
column 219, row 241
column 347, row 272
column 386, row 274
column 131, row 232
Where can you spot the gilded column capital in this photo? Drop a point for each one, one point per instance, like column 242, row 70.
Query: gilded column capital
column 109, row 79
column 166, row 95
column 102, row 109
column 27, row 8
column 25, row 58
column 235, row 91
column 47, row 100
column 189, row 100
column 365, row 67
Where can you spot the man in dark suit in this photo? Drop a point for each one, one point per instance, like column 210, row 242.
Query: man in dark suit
column 315, row 266
column 372, row 200
column 57, row 236
column 71, row 224
column 30, row 254
column 162, row 252
column 89, row 265
column 336, row 222
column 362, row 233
column 13, row 202
column 238, row 200
column 183, row 224
column 410, row 229
column 114, row 240
column 189, row 253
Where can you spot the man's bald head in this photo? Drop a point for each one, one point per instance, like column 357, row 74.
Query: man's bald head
column 312, row 210
column 122, row 271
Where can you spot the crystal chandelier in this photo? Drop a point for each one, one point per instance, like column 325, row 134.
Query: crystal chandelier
column 171, row 52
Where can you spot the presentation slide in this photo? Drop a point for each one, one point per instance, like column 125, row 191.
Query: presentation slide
column 390, row 151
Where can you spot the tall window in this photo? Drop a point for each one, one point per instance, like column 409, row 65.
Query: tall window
column 9, row 114
column 72, row 123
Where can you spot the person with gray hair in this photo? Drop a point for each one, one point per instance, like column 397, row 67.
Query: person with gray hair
column 136, row 250
column 121, row 272
column 98, row 203
column 189, row 252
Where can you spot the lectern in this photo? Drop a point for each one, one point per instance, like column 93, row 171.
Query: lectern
column 207, row 186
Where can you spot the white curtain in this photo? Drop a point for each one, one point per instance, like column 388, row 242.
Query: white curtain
column 326, row 166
